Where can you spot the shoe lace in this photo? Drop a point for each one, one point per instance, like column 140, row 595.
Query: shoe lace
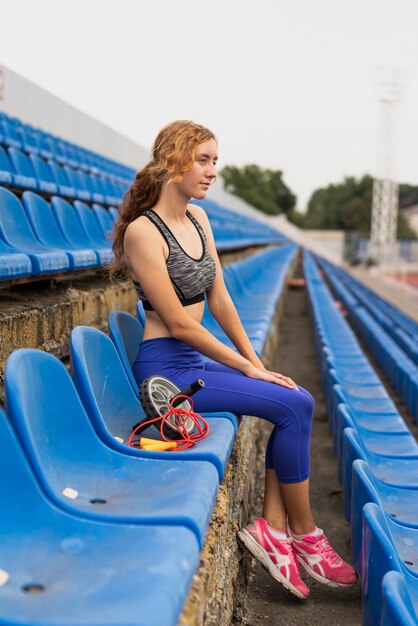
column 325, row 546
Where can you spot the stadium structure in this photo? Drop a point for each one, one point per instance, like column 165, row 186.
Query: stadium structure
column 98, row 533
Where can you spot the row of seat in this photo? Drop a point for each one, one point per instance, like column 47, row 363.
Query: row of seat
column 395, row 349
column 235, row 230
column 400, row 326
column 22, row 171
column 42, row 238
column 105, row 534
column 378, row 465
column 16, row 134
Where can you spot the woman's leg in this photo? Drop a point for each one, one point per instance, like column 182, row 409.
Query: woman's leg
column 283, row 501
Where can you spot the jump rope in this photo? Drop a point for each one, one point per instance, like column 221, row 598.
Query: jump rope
column 169, row 410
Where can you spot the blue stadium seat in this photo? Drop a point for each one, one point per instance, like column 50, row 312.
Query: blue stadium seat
column 386, row 546
column 17, row 233
column 24, row 175
column 83, row 571
column 126, row 332
column 399, row 600
column 73, row 229
column 81, row 192
column 13, row 264
column 9, row 134
column 43, row 174
column 84, row 476
column 392, row 470
column 92, row 228
column 29, row 138
column 65, row 187
column 400, row 503
column 103, row 217
column 6, row 170
column 46, row 229
column 140, row 312
column 113, row 407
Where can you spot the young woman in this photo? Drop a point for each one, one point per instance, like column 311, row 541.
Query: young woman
column 166, row 245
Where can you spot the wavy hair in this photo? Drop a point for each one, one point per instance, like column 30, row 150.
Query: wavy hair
column 173, row 154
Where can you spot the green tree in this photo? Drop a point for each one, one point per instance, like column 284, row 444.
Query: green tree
column 262, row 188
column 348, row 206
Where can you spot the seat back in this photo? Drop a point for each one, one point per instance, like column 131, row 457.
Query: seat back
column 102, row 383
column 379, row 557
column 89, row 221
column 19, row 490
column 126, row 333
column 14, row 225
column 42, row 220
column 69, row 222
column 5, row 165
column 59, row 173
column 42, row 169
column 49, row 418
column 397, row 607
column 21, row 163
column 103, row 217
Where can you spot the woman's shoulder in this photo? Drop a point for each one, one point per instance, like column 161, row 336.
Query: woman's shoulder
column 140, row 228
column 198, row 213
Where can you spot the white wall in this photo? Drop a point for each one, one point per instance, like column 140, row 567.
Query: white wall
column 23, row 99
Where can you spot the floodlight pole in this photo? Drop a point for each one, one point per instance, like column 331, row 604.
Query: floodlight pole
column 385, row 198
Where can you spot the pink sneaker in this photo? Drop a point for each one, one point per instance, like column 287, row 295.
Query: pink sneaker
column 318, row 557
column 275, row 555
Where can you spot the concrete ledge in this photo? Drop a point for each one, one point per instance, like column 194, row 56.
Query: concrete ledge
column 44, row 318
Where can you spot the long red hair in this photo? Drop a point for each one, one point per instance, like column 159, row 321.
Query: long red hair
column 173, row 154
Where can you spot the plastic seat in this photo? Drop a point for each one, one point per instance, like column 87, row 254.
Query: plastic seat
column 13, row 264
column 17, row 233
column 126, row 332
column 46, row 229
column 399, row 503
column 84, row 571
column 392, row 470
column 386, row 546
column 103, row 217
column 93, row 230
column 65, row 188
column 6, row 170
column 73, row 230
column 399, row 600
column 382, row 425
column 81, row 192
column 113, row 407
column 24, row 175
column 84, row 476
column 140, row 312
column 9, row 134
column 43, row 174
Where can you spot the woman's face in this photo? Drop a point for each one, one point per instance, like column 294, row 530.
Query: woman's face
column 197, row 180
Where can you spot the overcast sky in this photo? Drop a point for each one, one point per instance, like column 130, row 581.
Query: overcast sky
column 287, row 84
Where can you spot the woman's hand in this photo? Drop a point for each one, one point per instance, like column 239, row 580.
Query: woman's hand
column 271, row 377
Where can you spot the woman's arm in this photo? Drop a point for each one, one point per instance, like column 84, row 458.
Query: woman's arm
column 220, row 302
column 145, row 254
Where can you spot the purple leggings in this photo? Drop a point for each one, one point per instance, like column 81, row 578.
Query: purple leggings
column 227, row 389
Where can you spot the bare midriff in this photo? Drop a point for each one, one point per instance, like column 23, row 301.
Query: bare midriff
column 155, row 327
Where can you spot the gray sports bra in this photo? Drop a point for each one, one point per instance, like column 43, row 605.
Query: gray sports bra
column 190, row 277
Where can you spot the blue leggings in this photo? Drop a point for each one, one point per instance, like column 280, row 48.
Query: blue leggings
column 227, row 389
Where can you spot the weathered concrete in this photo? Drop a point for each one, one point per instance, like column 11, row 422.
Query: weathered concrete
column 42, row 318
